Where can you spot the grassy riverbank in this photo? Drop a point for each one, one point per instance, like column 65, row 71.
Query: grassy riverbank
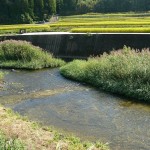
column 125, row 72
column 23, row 55
column 19, row 133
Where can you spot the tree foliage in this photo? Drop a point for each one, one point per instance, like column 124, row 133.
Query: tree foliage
column 27, row 11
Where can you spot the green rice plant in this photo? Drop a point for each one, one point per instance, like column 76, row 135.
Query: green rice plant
column 101, row 23
column 111, row 30
column 5, row 29
column 10, row 144
column 21, row 54
column 124, row 72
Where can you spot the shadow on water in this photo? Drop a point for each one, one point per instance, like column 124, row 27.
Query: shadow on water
column 47, row 97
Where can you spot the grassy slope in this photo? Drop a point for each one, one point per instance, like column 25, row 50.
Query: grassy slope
column 29, row 135
column 124, row 72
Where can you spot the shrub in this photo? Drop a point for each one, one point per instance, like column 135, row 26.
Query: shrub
column 125, row 72
column 21, row 54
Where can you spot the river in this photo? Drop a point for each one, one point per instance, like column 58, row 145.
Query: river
column 47, row 97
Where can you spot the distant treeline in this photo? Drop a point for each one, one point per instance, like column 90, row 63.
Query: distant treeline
column 27, row 11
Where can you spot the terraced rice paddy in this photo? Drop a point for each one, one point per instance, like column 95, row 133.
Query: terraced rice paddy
column 88, row 23
column 132, row 22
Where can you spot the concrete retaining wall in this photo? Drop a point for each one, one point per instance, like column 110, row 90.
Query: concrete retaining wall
column 83, row 45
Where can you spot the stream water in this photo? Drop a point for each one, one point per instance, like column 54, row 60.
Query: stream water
column 45, row 96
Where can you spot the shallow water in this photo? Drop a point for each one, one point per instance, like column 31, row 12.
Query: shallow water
column 47, row 97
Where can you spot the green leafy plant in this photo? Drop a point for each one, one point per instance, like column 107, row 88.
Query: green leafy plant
column 10, row 144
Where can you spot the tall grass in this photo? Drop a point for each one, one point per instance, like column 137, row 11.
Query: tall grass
column 10, row 144
column 21, row 54
column 124, row 72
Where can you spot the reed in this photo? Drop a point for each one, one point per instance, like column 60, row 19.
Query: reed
column 22, row 54
column 125, row 72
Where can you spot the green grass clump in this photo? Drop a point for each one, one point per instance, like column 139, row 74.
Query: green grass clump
column 10, row 144
column 22, row 54
column 1, row 75
column 124, row 72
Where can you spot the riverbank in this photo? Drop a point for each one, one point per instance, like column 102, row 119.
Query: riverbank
column 125, row 72
column 30, row 135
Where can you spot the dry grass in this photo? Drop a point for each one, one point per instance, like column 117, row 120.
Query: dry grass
column 12, row 126
column 40, row 138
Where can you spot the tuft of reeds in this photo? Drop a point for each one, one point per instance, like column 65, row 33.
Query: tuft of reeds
column 125, row 72
column 22, row 54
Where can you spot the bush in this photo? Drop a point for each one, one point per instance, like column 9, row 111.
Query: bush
column 21, row 54
column 125, row 72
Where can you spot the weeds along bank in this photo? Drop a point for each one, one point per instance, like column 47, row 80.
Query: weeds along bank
column 18, row 133
column 21, row 54
column 124, row 72
column 10, row 143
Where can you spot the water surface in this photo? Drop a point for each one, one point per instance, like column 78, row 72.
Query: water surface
column 45, row 96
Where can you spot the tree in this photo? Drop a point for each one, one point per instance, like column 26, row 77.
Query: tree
column 39, row 9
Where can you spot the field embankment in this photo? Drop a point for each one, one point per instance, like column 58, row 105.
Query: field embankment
column 23, row 55
column 124, row 72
